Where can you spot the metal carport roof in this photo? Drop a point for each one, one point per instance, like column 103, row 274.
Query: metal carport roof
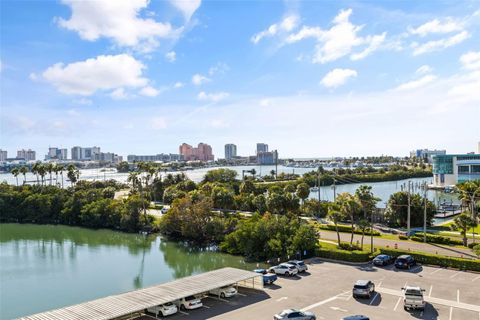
column 134, row 301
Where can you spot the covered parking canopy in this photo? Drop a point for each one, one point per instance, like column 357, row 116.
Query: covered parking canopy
column 136, row 301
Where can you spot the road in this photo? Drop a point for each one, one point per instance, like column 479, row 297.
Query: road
column 415, row 246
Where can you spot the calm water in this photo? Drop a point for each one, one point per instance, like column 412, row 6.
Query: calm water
column 43, row 267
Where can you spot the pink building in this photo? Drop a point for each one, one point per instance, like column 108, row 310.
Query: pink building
column 203, row 152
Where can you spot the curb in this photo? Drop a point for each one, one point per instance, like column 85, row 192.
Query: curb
column 312, row 260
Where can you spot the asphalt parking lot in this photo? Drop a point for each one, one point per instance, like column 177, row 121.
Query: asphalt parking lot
column 326, row 290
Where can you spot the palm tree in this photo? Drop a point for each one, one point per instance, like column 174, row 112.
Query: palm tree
column 56, row 168
column 335, row 215
column 60, row 168
column 49, row 168
column 348, row 205
column 24, row 170
column 35, row 168
column 363, row 224
column 15, row 171
column 42, row 171
column 73, row 174
column 463, row 222
column 469, row 194
column 272, row 173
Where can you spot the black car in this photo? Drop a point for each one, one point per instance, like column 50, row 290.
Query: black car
column 357, row 317
column 383, row 260
column 405, row 262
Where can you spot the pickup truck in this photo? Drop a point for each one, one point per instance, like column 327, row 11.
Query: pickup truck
column 413, row 298
column 268, row 278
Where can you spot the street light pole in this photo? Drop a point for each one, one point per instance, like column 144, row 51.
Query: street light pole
column 408, row 212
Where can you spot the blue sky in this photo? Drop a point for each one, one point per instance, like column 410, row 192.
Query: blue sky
column 315, row 78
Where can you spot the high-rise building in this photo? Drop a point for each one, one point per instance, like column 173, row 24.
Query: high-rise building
column 152, row 158
column 426, row 154
column 203, row 152
column 85, row 154
column 450, row 169
column 478, row 148
column 56, row 153
column 76, row 153
column 230, row 151
column 267, row 158
column 262, row 147
column 3, row 155
column 27, row 155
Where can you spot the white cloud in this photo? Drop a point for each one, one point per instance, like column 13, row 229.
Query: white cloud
column 171, row 56
column 158, row 123
column 471, row 60
column 437, row 26
column 178, row 84
column 440, row 44
column 100, row 73
column 117, row 20
column 467, row 86
column 198, row 79
column 149, row 91
column 119, row 94
column 83, row 101
column 265, row 102
column 212, row 97
column 73, row 113
column 339, row 40
column 286, row 25
column 337, row 77
column 187, row 7
column 219, row 123
column 415, row 84
column 219, row 68
column 424, row 69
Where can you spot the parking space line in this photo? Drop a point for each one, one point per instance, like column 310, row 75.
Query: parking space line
column 374, row 297
column 476, row 278
column 435, row 271
column 430, row 291
column 241, row 294
column 282, row 298
column 320, row 303
column 398, row 302
column 379, row 284
column 183, row 312
column 455, row 274
column 217, row 298
column 206, row 306
column 451, row 311
column 458, row 295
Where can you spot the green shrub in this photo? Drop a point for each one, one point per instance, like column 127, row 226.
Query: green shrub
column 348, row 229
column 432, row 238
column 402, row 237
column 344, row 255
column 435, row 259
column 476, row 249
column 471, row 245
column 349, row 247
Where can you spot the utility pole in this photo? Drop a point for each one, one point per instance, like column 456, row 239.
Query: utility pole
column 408, row 211
column 425, row 212
column 334, row 190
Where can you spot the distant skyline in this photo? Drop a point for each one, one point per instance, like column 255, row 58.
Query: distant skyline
column 310, row 79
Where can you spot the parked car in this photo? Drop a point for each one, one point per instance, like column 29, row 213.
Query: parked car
column 363, row 288
column 224, row 292
column 164, row 309
column 164, row 209
column 356, row 317
column 299, row 264
column 413, row 298
column 405, row 262
column 268, row 278
column 383, row 260
column 294, row 314
column 189, row 303
column 285, row 269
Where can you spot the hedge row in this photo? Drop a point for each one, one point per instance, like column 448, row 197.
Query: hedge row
column 348, row 229
column 432, row 238
column 438, row 260
column 344, row 255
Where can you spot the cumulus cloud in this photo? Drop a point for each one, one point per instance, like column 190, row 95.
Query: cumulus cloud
column 117, row 20
column 149, row 91
column 100, row 73
column 119, row 94
column 337, row 77
column 286, row 25
column 417, row 83
column 212, row 97
column 198, row 79
column 471, row 60
column 171, row 56
column 424, row 69
column 339, row 40
column 187, row 7
column 437, row 26
column 178, row 84
column 436, row 45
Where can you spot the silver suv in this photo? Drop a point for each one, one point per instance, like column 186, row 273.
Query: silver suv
column 299, row 264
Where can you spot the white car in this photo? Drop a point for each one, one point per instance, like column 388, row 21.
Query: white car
column 285, row 269
column 413, row 298
column 164, row 209
column 189, row 303
column 294, row 314
column 299, row 264
column 224, row 292
column 164, row 309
